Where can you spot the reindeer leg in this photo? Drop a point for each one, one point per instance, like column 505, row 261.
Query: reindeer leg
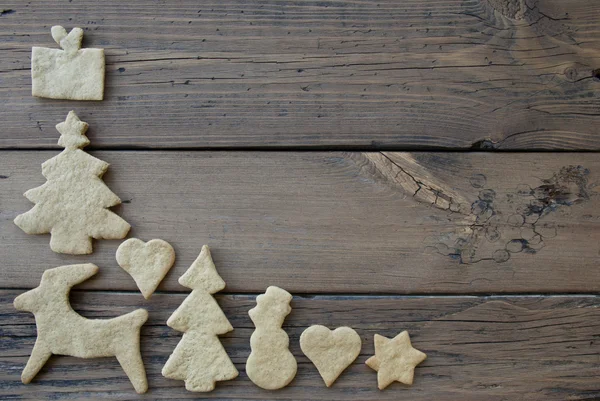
column 132, row 364
column 39, row 356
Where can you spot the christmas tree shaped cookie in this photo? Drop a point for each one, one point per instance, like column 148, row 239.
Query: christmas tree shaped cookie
column 271, row 365
column 71, row 73
column 72, row 204
column 62, row 331
column 200, row 359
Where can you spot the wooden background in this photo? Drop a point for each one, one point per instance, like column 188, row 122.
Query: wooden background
column 347, row 151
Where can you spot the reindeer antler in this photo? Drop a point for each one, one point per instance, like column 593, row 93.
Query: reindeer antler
column 70, row 42
column 71, row 274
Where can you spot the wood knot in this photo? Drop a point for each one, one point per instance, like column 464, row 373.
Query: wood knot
column 571, row 74
column 513, row 9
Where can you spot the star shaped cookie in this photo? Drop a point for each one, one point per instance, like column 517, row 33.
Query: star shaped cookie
column 73, row 132
column 394, row 360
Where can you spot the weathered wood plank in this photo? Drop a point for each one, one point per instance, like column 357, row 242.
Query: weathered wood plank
column 478, row 348
column 403, row 223
column 379, row 74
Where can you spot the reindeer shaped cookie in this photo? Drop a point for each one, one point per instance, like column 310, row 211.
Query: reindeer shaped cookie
column 62, row 331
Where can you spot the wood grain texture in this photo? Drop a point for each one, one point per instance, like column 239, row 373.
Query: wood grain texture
column 329, row 222
column 482, row 74
column 478, row 348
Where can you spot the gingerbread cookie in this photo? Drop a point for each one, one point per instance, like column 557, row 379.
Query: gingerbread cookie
column 73, row 204
column 62, row 331
column 200, row 359
column 332, row 351
column 147, row 262
column 271, row 365
column 394, row 360
column 71, row 73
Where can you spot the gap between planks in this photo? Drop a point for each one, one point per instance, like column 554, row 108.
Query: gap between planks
column 305, row 149
column 341, row 296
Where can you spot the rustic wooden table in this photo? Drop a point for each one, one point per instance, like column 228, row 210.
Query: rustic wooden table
column 345, row 151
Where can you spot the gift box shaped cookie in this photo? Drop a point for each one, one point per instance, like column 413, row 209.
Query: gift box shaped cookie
column 71, row 73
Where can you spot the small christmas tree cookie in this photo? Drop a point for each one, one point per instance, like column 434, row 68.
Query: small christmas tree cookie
column 62, row 331
column 72, row 204
column 271, row 365
column 200, row 359
column 72, row 73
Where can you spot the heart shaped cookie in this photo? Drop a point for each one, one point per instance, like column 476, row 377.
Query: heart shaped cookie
column 147, row 262
column 330, row 351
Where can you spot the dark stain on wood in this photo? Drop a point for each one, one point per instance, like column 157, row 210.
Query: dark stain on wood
column 520, row 227
column 514, row 9
column 565, row 188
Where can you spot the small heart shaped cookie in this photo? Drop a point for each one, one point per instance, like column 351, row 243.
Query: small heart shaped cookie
column 147, row 262
column 330, row 351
